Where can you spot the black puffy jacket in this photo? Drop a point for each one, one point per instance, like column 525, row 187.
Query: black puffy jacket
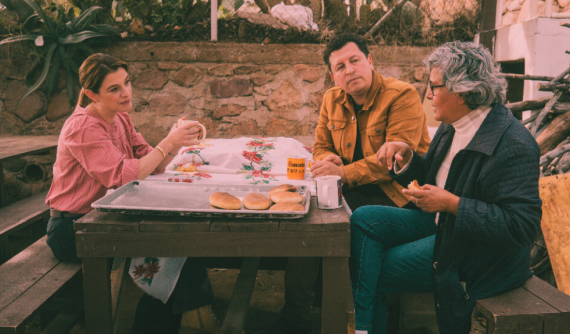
column 485, row 249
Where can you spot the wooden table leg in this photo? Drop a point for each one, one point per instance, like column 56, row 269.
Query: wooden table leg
column 336, row 281
column 97, row 292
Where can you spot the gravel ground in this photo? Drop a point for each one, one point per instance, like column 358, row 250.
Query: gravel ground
column 266, row 303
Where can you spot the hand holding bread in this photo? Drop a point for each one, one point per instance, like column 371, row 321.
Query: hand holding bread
column 414, row 185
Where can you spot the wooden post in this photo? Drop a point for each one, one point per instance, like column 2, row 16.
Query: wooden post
column 488, row 25
column 97, row 292
column 377, row 25
column 2, row 186
column 336, row 280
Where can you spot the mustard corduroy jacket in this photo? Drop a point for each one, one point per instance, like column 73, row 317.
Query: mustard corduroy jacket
column 392, row 112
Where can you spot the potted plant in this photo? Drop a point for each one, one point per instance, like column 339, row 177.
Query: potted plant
column 59, row 44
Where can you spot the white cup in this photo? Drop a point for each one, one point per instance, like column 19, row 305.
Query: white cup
column 329, row 193
column 181, row 123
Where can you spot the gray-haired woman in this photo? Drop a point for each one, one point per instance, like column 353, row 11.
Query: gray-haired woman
column 478, row 209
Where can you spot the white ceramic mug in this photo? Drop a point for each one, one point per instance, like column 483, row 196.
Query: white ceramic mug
column 181, row 122
column 329, row 192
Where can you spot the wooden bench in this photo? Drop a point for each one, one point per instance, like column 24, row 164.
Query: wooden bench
column 20, row 215
column 19, row 146
column 536, row 307
column 33, row 281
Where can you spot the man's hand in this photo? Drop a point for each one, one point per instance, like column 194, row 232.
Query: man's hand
column 398, row 151
column 434, row 199
column 335, row 159
column 323, row 168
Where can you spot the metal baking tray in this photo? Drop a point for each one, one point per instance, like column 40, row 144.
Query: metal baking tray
column 183, row 199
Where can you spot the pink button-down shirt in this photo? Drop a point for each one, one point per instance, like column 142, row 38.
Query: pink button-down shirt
column 92, row 157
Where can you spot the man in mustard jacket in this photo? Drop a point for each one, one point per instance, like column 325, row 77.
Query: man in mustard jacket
column 357, row 117
column 361, row 113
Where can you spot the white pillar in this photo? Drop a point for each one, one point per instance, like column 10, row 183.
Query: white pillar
column 499, row 14
column 548, row 8
column 214, row 20
column 532, row 9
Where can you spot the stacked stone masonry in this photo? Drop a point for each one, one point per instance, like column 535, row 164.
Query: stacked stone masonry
column 233, row 89
column 514, row 11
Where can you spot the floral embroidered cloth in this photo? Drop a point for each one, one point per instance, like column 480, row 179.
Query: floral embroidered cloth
column 257, row 160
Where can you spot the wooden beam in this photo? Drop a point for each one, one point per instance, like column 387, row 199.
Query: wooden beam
column 550, row 87
column 277, row 244
column 538, row 122
column 241, row 296
column 531, row 77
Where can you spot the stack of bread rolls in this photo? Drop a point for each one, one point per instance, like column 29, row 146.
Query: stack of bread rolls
column 284, row 196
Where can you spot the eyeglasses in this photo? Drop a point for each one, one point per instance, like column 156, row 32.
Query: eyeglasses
column 431, row 87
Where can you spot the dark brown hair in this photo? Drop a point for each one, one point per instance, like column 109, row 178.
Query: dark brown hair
column 92, row 73
column 339, row 41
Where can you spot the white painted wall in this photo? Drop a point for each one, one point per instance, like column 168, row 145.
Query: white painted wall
column 542, row 42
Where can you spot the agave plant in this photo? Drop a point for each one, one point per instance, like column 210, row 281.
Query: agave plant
column 60, row 45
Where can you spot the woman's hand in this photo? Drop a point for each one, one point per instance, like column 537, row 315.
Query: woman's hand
column 394, row 151
column 186, row 135
column 433, row 199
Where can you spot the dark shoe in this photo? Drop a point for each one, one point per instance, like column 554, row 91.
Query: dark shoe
column 283, row 326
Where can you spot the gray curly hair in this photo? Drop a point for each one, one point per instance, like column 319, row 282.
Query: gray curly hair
column 470, row 71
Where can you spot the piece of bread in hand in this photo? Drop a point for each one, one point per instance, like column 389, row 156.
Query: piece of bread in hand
column 224, row 200
column 287, row 207
column 414, row 185
column 256, row 201
column 286, row 197
column 283, row 187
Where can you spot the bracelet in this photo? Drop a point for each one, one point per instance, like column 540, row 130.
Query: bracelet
column 172, row 155
column 161, row 151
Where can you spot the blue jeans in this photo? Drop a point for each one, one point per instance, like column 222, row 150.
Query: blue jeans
column 61, row 239
column 391, row 252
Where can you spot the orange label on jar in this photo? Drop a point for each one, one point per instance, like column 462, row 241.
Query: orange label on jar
column 296, row 168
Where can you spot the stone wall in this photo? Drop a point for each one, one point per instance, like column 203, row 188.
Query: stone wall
column 233, row 89
column 514, row 11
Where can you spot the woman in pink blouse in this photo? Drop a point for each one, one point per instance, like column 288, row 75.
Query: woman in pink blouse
column 99, row 149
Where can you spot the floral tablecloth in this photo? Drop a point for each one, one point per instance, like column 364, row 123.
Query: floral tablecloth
column 257, row 160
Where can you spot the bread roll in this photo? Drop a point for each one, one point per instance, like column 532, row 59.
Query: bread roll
column 287, row 207
column 283, row 187
column 414, row 185
column 255, row 201
column 285, row 197
column 225, row 201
